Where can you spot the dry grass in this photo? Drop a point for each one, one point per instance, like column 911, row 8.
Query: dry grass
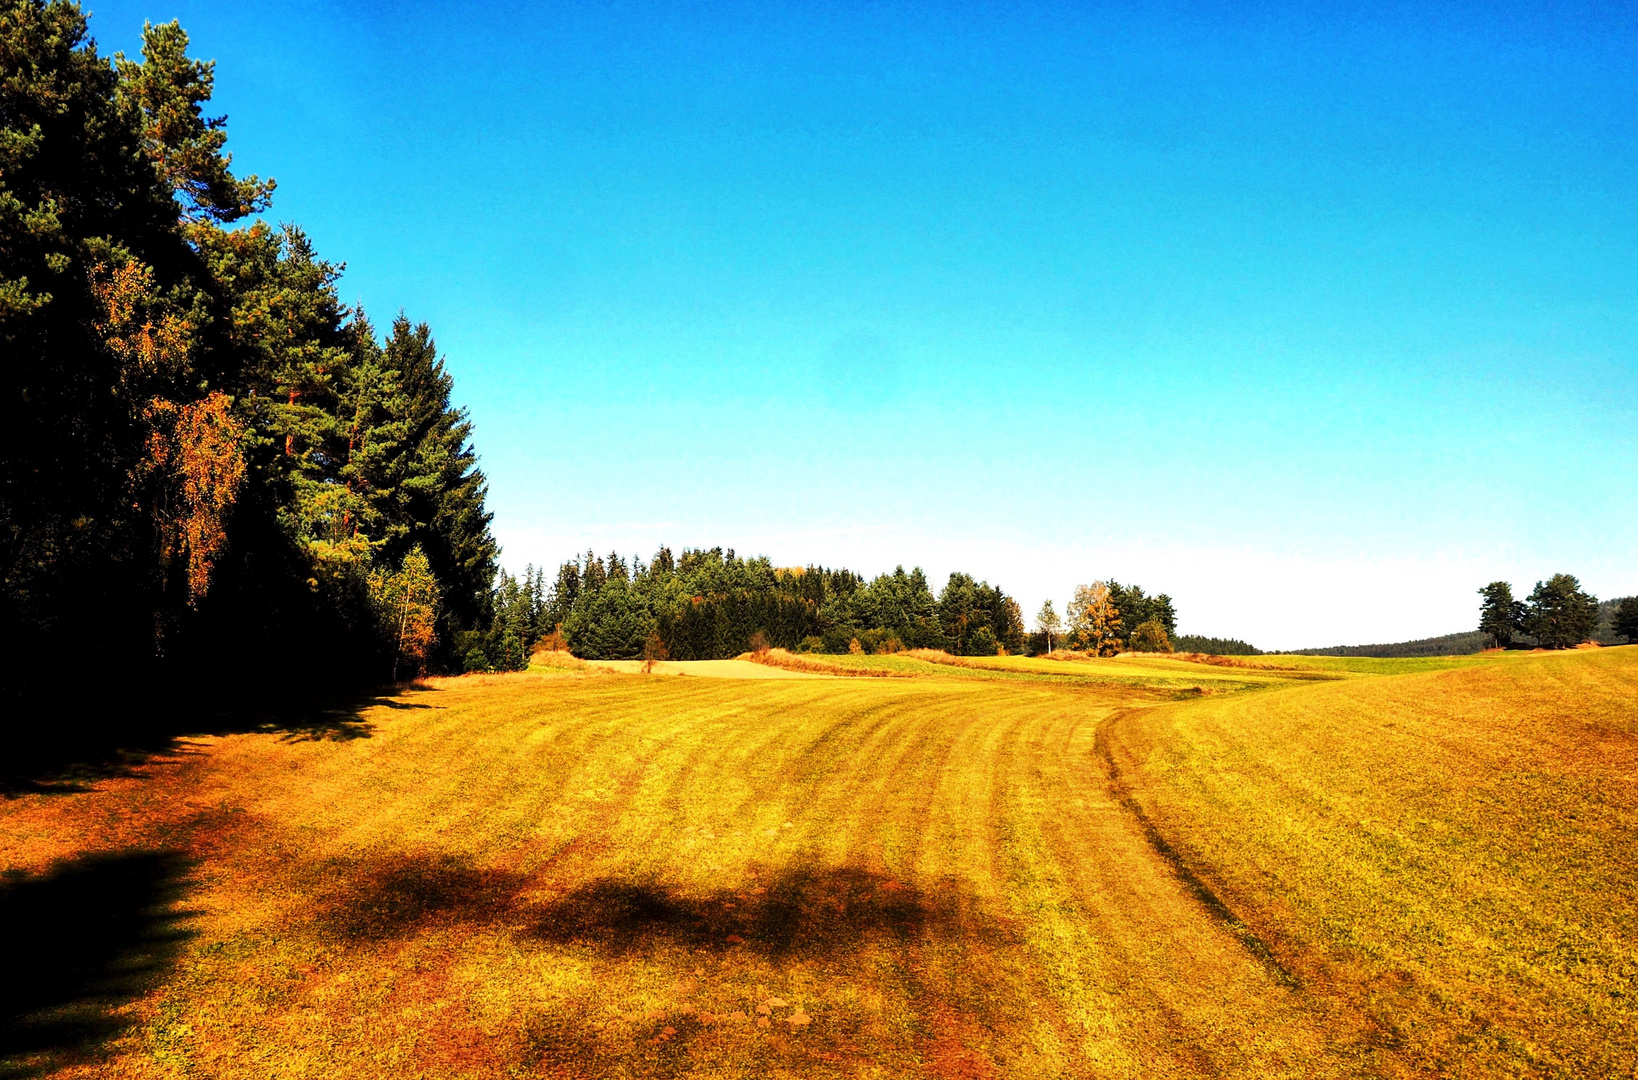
column 1442, row 859
column 939, row 656
column 781, row 658
column 560, row 874
column 609, row 876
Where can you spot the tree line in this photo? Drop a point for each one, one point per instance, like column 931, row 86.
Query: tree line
column 710, row 603
column 211, row 464
column 1558, row 614
column 1105, row 618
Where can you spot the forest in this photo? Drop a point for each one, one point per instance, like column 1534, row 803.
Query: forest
column 708, row 604
column 211, row 463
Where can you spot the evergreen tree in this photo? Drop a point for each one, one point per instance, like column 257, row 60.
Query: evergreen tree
column 1558, row 614
column 443, row 488
column 1626, row 620
column 202, row 443
column 1500, row 615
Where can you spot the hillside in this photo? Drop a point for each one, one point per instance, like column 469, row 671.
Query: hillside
column 1440, row 858
column 1018, row 867
column 1462, row 642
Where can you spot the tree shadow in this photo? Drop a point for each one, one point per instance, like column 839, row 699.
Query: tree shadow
column 802, row 913
column 69, row 748
column 76, row 944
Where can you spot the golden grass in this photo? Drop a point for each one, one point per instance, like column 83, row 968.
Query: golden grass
column 781, row 658
column 1442, row 859
column 566, row 874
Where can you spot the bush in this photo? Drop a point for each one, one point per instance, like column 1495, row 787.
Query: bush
column 1149, row 637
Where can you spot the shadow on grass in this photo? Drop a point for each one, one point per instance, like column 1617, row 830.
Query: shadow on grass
column 76, row 944
column 801, row 913
column 68, row 748
column 840, row 921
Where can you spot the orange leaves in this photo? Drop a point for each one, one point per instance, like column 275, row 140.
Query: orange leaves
column 148, row 341
column 193, row 448
column 211, row 467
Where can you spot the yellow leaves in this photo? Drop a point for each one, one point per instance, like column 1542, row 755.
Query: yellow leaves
column 208, row 440
column 195, row 446
column 146, row 340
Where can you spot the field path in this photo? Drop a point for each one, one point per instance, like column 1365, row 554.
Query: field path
column 612, row 875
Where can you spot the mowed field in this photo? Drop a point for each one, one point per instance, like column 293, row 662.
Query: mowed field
column 1129, row 867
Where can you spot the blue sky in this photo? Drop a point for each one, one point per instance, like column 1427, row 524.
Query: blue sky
column 1282, row 309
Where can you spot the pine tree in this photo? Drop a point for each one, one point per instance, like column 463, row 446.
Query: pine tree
column 1500, row 615
column 443, row 490
column 170, row 89
column 1558, row 614
column 1626, row 620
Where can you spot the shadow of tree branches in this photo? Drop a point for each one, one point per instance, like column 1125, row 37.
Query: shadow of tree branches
column 76, row 944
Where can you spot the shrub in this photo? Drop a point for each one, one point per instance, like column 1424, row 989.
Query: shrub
column 1149, row 637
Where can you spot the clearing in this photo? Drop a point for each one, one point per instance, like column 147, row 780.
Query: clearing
column 1016, row 867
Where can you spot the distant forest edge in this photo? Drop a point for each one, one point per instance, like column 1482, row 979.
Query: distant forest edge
column 707, row 604
column 1607, row 631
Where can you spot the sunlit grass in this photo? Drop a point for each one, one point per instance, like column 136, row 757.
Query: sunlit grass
column 567, row 872
column 1444, row 856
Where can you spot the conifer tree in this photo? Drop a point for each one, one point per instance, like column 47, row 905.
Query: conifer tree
column 1626, row 619
column 1559, row 614
column 1500, row 615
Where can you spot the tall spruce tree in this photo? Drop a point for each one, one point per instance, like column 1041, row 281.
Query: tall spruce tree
column 442, row 493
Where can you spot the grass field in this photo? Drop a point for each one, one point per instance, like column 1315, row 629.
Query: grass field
column 1128, row 867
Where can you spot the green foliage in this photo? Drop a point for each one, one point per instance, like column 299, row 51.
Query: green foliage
column 1558, row 614
column 1048, row 625
column 1136, row 608
column 1214, row 646
column 1625, row 622
column 1466, row 642
column 1500, row 616
column 207, row 455
column 1149, row 636
column 406, row 602
column 186, row 148
column 712, row 604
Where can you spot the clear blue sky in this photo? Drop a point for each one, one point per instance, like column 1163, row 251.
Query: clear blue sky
column 1279, row 310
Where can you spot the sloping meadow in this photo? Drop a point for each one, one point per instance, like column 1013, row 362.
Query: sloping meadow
column 1443, row 857
column 1138, row 867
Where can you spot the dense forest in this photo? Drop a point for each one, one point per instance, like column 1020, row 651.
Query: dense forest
column 710, row 603
column 211, row 465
